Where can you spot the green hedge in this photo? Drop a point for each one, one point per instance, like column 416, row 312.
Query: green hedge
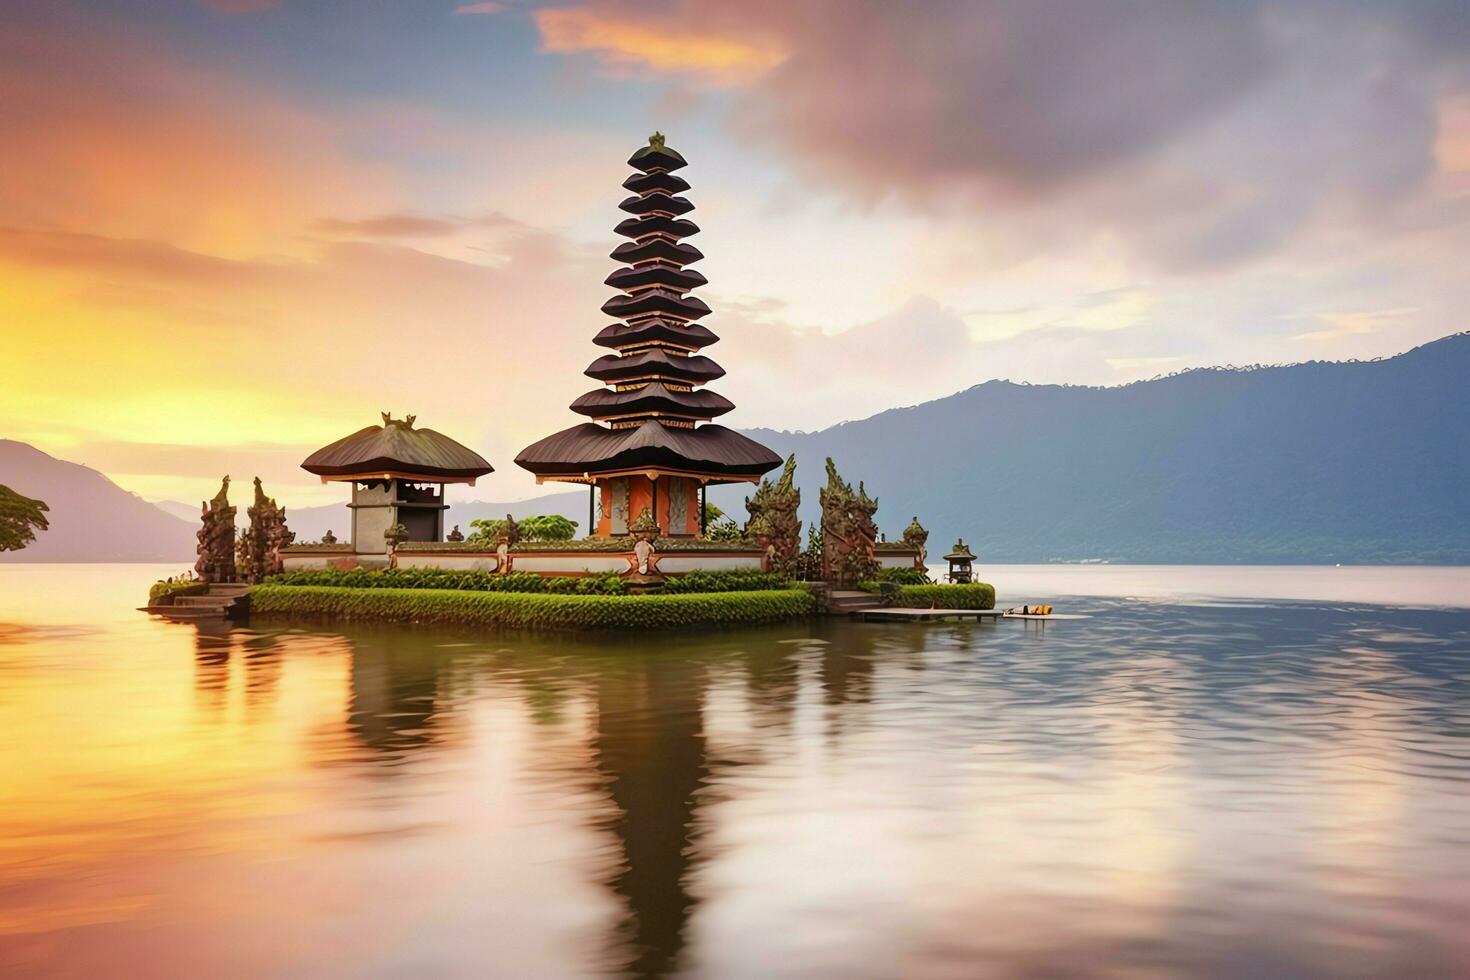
column 977, row 595
column 903, row 576
column 734, row 580
column 448, row 578
column 163, row 593
column 531, row 610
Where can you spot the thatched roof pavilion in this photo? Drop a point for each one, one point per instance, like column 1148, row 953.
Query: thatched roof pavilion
column 397, row 450
column 394, row 470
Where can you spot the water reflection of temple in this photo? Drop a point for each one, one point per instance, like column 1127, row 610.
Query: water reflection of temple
column 212, row 648
column 653, row 747
column 658, row 738
column 217, row 646
column 393, row 697
column 649, row 747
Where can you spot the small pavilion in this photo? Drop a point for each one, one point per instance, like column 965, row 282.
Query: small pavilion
column 960, row 558
column 398, row 474
column 650, row 442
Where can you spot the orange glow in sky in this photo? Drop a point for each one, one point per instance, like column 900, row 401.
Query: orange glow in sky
column 233, row 232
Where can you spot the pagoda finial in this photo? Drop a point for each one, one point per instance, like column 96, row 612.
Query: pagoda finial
column 656, row 140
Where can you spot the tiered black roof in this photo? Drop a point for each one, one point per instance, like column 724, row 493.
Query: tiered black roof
column 655, row 413
column 662, row 274
column 654, row 364
column 679, row 253
column 652, row 397
column 655, row 331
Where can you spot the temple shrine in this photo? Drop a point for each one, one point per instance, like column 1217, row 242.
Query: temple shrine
column 651, row 442
column 649, row 447
column 398, row 473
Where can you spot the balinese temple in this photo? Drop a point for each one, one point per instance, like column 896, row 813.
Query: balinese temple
column 650, row 442
column 398, row 474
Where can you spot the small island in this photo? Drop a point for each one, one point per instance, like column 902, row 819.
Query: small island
column 657, row 554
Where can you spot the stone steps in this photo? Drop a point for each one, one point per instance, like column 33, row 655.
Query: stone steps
column 847, row 601
column 206, row 600
column 223, row 601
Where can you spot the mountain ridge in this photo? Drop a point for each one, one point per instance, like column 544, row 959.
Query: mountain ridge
column 1313, row 462
column 92, row 518
column 1321, row 461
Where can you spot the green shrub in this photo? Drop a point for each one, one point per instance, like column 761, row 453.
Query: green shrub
column 469, row 580
column 539, row 527
column 162, row 593
column 734, row 580
column 978, row 595
column 902, row 576
column 470, row 608
column 724, row 530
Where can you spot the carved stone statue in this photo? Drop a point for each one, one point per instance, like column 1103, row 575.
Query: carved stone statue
column 278, row 538
column 216, row 535
column 848, row 531
column 916, row 537
column 329, row 537
column 395, row 536
column 774, row 523
column 260, row 546
column 643, row 551
column 510, row 533
column 644, row 530
column 455, row 535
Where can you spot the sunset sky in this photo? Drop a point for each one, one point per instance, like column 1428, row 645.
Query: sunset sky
column 233, row 231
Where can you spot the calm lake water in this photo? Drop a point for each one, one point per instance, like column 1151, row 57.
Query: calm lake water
column 1175, row 786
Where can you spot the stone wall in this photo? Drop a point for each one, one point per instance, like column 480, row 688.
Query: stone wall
column 582, row 562
column 893, row 558
column 314, row 561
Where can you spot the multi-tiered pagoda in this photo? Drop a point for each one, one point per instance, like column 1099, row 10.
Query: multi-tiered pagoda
column 651, row 443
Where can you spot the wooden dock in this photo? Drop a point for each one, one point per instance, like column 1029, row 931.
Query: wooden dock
column 895, row 614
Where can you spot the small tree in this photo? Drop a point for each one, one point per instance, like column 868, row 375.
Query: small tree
column 20, row 519
column 485, row 531
column 724, row 530
column 548, row 527
column 545, row 527
column 712, row 514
